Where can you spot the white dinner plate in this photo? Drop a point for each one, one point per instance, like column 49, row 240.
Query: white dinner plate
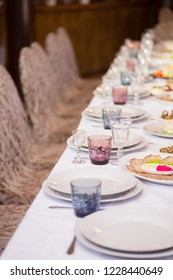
column 164, row 102
column 130, row 229
column 120, row 254
column 124, row 162
column 157, row 129
column 133, row 140
column 127, row 111
column 113, row 181
column 96, row 119
column 140, row 145
column 122, row 196
column 108, row 93
column 161, row 94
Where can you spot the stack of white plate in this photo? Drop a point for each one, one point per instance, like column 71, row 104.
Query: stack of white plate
column 116, row 185
column 134, row 142
column 135, row 113
column 139, row 233
column 106, row 91
column 124, row 162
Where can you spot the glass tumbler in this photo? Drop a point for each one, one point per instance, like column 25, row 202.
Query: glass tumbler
column 108, row 113
column 85, row 194
column 119, row 94
column 99, row 148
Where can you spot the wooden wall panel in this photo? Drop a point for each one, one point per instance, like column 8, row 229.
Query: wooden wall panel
column 97, row 30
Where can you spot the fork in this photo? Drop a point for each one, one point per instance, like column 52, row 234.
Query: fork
column 71, row 247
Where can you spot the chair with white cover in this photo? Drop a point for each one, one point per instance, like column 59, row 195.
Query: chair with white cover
column 24, row 163
column 51, row 119
column 62, row 56
column 163, row 29
column 10, row 217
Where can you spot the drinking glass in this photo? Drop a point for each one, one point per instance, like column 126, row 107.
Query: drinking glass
column 78, row 137
column 137, row 84
column 99, row 147
column 119, row 94
column 108, row 113
column 125, row 78
column 120, row 127
column 85, row 195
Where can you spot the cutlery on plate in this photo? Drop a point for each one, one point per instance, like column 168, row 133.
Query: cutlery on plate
column 71, row 248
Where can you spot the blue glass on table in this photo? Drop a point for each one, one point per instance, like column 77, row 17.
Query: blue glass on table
column 125, row 78
column 108, row 113
column 85, row 194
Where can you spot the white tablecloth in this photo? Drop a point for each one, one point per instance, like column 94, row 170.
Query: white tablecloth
column 46, row 233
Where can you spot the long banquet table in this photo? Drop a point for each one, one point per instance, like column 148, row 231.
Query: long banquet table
column 45, row 233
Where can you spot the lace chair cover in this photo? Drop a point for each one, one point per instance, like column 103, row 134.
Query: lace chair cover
column 163, row 32
column 34, row 154
column 68, row 54
column 51, row 120
column 85, row 85
column 67, row 83
column 21, row 173
column 10, row 217
column 62, row 82
column 165, row 15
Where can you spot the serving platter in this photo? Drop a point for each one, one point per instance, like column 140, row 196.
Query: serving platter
column 125, row 165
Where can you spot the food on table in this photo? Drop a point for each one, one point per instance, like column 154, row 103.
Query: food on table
column 168, row 127
column 164, row 92
column 163, row 168
column 166, row 115
column 166, row 72
column 153, row 166
column 168, row 149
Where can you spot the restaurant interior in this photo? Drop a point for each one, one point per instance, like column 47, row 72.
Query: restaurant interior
column 62, row 62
